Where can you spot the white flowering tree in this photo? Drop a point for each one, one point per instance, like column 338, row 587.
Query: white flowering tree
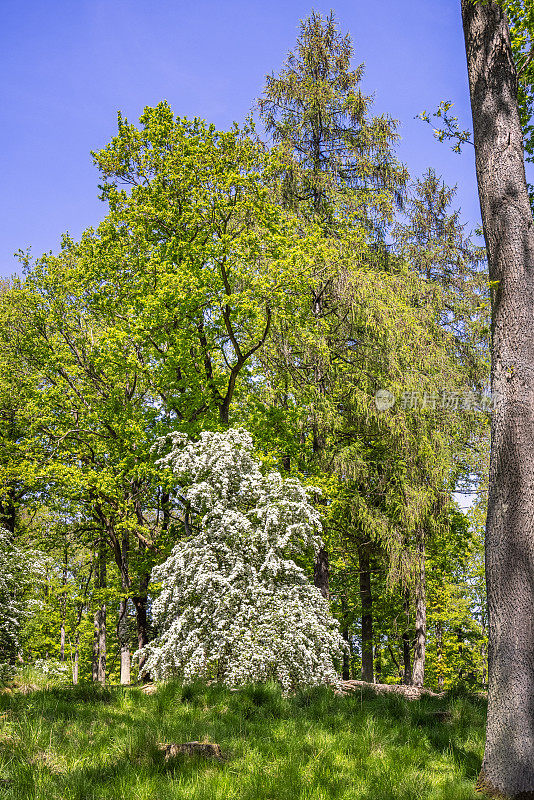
column 16, row 568
column 234, row 605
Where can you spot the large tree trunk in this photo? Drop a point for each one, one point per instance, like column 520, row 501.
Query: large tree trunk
column 508, row 765
column 366, row 599
column 418, row 675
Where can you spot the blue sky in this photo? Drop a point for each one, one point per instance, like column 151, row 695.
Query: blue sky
column 70, row 65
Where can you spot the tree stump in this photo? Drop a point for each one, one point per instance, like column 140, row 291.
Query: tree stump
column 206, row 749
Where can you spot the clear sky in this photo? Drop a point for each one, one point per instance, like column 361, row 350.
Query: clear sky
column 70, row 65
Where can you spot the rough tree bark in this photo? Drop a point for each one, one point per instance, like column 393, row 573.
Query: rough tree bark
column 366, row 599
column 508, row 765
column 418, row 674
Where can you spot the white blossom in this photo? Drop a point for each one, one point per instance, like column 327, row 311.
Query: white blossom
column 234, row 605
column 52, row 668
column 17, row 569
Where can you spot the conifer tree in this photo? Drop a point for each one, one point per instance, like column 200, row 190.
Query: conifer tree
column 342, row 172
column 431, row 238
column 316, row 109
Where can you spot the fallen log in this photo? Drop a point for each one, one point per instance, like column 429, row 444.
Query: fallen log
column 409, row 692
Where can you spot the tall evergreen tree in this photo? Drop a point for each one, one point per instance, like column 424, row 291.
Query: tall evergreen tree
column 431, row 238
column 342, row 171
column 316, row 109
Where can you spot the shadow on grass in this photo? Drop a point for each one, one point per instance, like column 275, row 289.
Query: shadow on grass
column 99, row 744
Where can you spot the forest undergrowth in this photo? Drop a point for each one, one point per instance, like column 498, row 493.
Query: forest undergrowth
column 89, row 743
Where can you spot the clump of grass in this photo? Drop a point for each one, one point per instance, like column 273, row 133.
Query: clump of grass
column 78, row 743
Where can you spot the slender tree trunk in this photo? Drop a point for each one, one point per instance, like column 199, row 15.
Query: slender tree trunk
column 165, row 510
column 99, row 637
column 121, row 553
column 378, row 663
column 8, row 511
column 94, row 662
column 460, row 654
column 63, row 607
column 140, row 601
column 418, row 675
column 407, row 659
column 62, row 638
column 122, row 626
column 62, row 641
column 124, row 642
column 439, row 647
column 345, row 634
column 366, row 599
column 102, row 648
column 76, row 663
column 140, row 604
column 406, row 643
column 346, row 655
column 392, row 654
column 508, row 765
column 321, row 573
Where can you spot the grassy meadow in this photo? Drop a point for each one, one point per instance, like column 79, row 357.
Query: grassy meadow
column 87, row 743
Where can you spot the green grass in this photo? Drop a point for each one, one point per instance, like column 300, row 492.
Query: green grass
column 80, row 743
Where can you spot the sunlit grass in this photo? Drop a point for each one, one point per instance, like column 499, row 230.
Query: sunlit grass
column 86, row 744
